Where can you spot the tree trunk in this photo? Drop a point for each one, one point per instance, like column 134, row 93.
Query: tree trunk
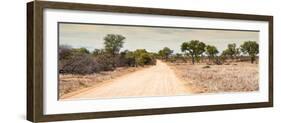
column 184, row 59
column 252, row 59
column 192, row 57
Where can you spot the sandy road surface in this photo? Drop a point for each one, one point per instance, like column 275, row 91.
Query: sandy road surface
column 158, row 80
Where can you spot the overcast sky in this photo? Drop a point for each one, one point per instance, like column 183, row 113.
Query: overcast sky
column 150, row 38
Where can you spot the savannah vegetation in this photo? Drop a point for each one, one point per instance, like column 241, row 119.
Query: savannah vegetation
column 80, row 68
column 234, row 70
column 82, row 61
column 203, row 66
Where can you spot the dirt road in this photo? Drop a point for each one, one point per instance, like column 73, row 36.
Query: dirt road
column 158, row 80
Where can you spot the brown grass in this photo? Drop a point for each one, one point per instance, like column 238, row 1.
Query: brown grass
column 70, row 82
column 231, row 77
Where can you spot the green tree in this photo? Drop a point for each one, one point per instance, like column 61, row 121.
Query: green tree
column 231, row 51
column 178, row 55
column 97, row 52
column 130, row 56
column 165, row 53
column 82, row 50
column 194, row 48
column 250, row 48
column 113, row 43
column 142, row 57
column 211, row 51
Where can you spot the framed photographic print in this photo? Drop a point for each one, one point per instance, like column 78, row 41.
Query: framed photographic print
column 96, row 61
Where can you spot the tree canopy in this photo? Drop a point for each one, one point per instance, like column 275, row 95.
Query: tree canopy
column 165, row 52
column 231, row 51
column 194, row 48
column 211, row 51
column 113, row 43
column 251, row 48
column 142, row 57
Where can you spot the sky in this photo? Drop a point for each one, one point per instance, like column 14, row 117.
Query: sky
column 152, row 39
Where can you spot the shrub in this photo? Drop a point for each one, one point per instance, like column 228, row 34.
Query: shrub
column 142, row 57
column 79, row 63
column 105, row 62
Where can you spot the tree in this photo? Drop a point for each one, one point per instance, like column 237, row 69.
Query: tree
column 82, row 50
column 194, row 48
column 251, row 48
column 97, row 52
column 142, row 57
column 113, row 43
column 165, row 52
column 231, row 51
column 131, row 61
column 211, row 51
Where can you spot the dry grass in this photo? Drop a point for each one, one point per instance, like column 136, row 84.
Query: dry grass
column 233, row 77
column 69, row 82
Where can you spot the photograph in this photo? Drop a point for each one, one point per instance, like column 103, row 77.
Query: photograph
column 107, row 61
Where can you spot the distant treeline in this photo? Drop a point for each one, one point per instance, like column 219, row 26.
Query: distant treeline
column 82, row 61
column 198, row 50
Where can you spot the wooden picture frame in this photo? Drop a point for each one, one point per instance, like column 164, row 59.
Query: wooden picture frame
column 35, row 55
